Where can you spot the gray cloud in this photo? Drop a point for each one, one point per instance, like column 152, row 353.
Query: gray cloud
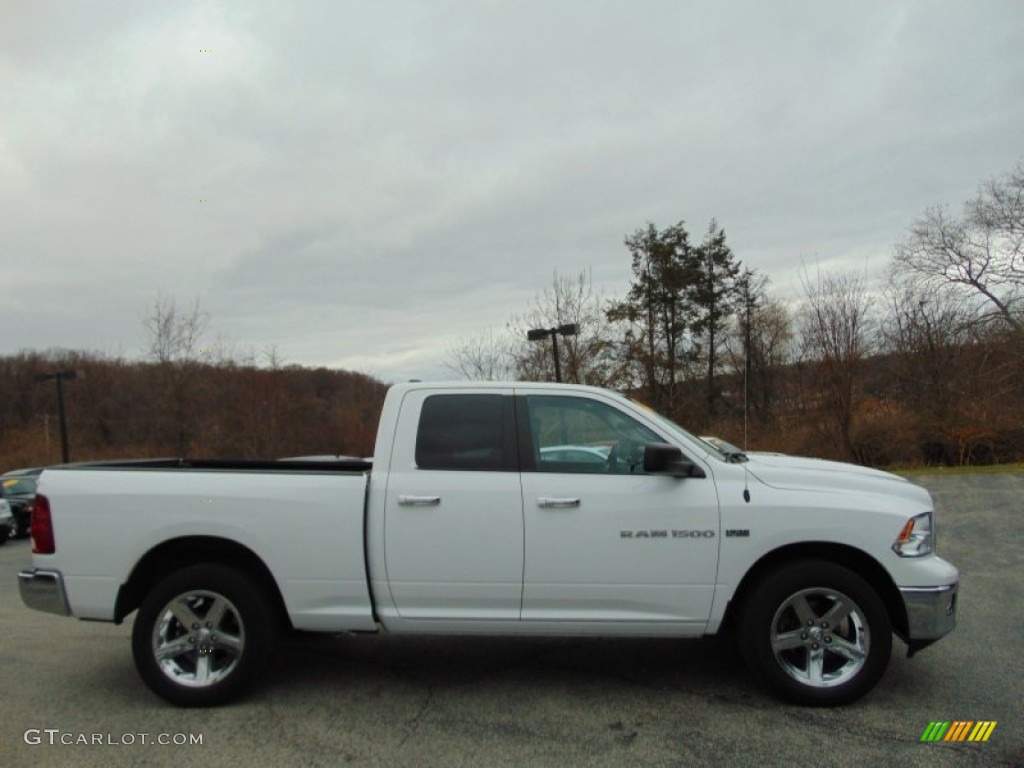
column 384, row 178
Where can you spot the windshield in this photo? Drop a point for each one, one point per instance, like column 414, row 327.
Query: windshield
column 19, row 486
column 671, row 425
column 725, row 452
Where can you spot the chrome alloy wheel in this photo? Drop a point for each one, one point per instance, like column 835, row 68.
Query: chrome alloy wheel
column 820, row 637
column 198, row 638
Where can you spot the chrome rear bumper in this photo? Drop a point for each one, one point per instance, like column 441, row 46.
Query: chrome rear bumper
column 44, row 591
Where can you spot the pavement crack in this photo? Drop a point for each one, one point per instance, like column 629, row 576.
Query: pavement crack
column 414, row 722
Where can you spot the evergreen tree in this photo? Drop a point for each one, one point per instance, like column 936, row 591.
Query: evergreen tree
column 714, row 297
column 656, row 313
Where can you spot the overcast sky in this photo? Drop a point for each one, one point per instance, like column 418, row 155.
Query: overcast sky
column 384, row 178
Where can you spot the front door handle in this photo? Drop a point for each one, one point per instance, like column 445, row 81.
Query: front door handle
column 419, row 501
column 544, row 501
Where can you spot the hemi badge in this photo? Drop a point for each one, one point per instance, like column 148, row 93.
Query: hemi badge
column 732, row 532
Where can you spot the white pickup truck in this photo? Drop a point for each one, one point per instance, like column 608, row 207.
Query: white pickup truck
column 509, row 509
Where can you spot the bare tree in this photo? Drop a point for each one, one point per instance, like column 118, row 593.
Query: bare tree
column 835, row 328
column 482, row 358
column 927, row 328
column 586, row 358
column 173, row 334
column 174, row 343
column 225, row 352
column 760, row 343
column 272, row 357
column 923, row 319
column 960, row 379
column 999, row 208
column 981, row 251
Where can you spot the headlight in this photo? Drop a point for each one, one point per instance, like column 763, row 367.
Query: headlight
column 917, row 537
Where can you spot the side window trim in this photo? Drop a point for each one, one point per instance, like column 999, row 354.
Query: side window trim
column 524, row 435
column 508, row 421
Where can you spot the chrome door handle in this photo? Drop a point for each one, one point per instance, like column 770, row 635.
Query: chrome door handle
column 419, row 501
column 544, row 501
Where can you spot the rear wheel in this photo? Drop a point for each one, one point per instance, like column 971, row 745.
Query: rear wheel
column 816, row 632
column 203, row 634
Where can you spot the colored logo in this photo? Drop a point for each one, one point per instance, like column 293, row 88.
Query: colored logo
column 959, row 730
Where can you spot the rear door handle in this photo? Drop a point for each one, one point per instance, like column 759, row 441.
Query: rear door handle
column 544, row 501
column 419, row 501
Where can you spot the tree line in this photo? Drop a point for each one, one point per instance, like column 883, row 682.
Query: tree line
column 926, row 368
column 182, row 404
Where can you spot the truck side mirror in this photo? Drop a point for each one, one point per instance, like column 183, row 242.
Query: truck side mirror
column 665, row 459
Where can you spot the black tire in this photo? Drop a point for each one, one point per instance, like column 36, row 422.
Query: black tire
column 816, row 632
column 214, row 629
column 5, row 532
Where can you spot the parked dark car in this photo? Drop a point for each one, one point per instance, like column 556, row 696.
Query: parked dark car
column 6, row 521
column 18, row 487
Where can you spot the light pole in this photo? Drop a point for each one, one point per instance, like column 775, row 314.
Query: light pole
column 569, row 329
column 60, row 376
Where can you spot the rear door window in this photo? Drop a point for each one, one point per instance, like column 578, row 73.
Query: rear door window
column 466, row 432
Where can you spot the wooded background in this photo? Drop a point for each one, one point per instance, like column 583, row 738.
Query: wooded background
column 927, row 368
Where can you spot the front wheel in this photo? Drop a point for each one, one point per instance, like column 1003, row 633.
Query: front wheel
column 202, row 635
column 816, row 632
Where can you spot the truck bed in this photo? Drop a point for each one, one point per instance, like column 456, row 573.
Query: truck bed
column 304, row 520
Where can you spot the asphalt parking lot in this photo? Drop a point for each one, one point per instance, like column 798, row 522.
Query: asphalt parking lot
column 558, row 702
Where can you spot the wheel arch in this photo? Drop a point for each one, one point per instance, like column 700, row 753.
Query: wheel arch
column 175, row 554
column 849, row 557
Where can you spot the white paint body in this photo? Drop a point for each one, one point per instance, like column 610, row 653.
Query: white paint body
column 347, row 554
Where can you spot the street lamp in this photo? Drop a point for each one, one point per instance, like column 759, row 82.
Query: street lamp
column 569, row 329
column 60, row 376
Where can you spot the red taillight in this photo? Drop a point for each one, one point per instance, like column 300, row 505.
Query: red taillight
column 42, row 527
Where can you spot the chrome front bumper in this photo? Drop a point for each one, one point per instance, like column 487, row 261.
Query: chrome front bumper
column 931, row 613
column 44, row 591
